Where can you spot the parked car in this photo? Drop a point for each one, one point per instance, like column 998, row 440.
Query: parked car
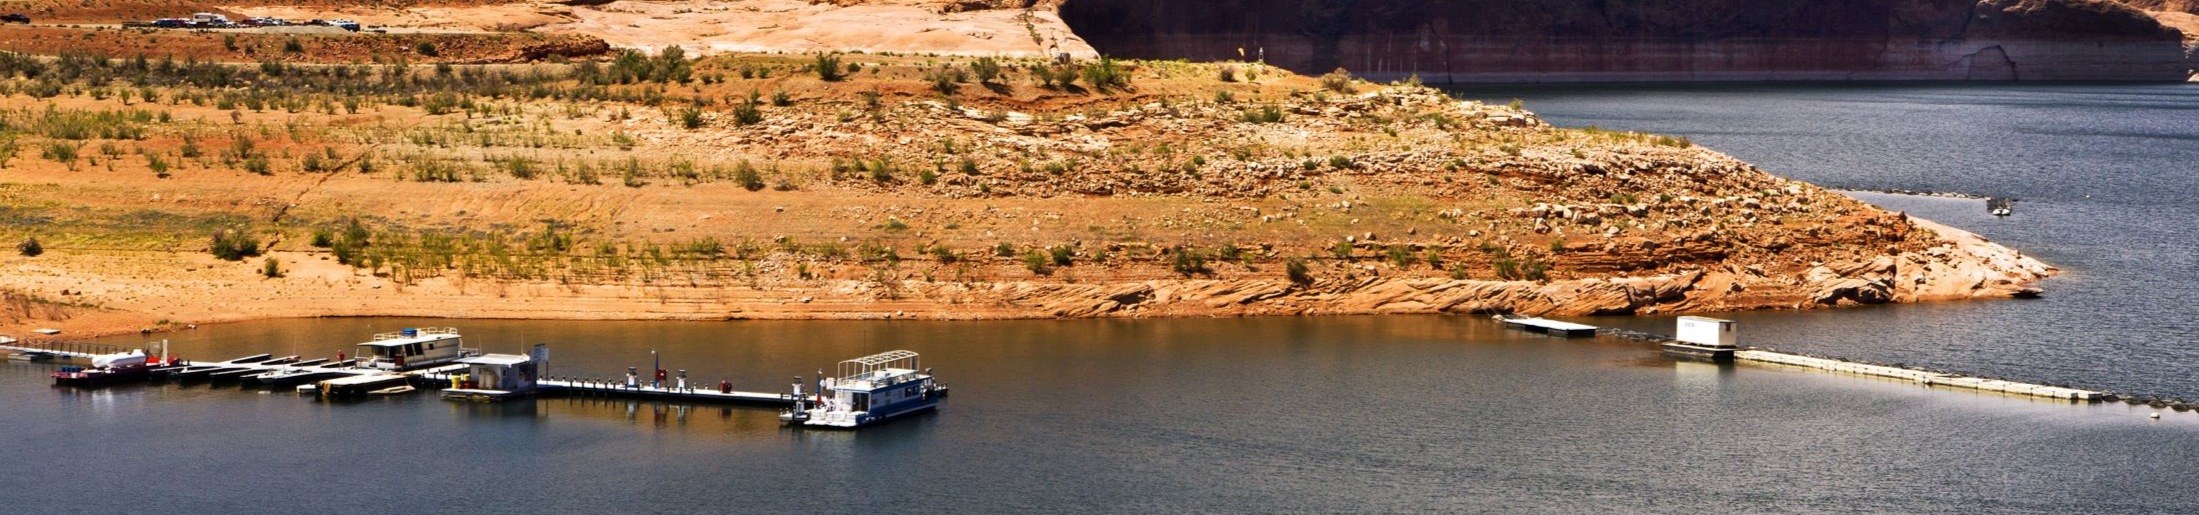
column 15, row 18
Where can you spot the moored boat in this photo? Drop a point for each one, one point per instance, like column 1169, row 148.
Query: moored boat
column 869, row 390
column 414, row 348
column 106, row 369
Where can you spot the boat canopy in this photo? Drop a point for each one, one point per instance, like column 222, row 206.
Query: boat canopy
column 899, row 359
column 412, row 336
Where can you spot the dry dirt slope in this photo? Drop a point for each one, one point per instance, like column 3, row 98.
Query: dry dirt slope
column 900, row 191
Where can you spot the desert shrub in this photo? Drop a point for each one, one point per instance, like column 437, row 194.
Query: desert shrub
column 1338, row 81
column 1055, row 77
column 234, row 245
column 750, row 111
column 746, row 175
column 947, row 80
column 426, row 48
column 1530, row 268
column 1062, row 256
column 690, row 117
column 1297, row 271
column 1263, row 114
column 827, row 66
column 1036, row 263
column 272, row 269
column 987, row 70
column 672, row 66
column 30, row 247
column 1106, row 75
column 60, row 152
column 1189, row 262
column 1227, row 73
column 1401, row 256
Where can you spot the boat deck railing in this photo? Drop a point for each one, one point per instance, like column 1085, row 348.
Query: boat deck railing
column 417, row 332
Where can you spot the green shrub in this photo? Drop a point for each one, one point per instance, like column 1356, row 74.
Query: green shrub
column 1401, row 256
column 234, row 245
column 1189, row 262
column 1036, row 263
column 749, row 112
column 426, row 48
column 1297, row 271
column 827, row 66
column 946, row 80
column 1063, row 255
column 272, row 269
column 1264, row 114
column 987, row 70
column 60, row 152
column 690, row 117
column 745, row 174
column 1106, row 75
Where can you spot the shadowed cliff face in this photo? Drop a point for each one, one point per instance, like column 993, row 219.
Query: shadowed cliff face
column 1546, row 40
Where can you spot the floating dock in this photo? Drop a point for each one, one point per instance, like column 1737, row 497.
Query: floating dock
column 645, row 391
column 1549, row 327
column 1921, row 377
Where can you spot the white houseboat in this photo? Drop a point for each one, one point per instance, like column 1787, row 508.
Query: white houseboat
column 869, row 390
column 414, row 348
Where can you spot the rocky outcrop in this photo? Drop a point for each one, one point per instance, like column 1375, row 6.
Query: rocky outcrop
column 1556, row 40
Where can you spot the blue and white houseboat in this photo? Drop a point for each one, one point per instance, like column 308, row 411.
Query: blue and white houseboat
column 868, row 390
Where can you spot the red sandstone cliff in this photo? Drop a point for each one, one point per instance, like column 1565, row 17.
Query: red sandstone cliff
column 1539, row 40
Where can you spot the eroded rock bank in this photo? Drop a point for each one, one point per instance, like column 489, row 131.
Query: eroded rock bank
column 1584, row 40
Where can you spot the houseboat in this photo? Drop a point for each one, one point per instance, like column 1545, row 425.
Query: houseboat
column 499, row 377
column 106, row 369
column 868, row 390
column 414, row 348
column 1707, row 339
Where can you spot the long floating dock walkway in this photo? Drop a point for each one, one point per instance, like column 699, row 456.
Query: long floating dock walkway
column 645, row 391
column 1920, row 376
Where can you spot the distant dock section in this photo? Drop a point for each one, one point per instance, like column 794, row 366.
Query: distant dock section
column 1548, row 326
column 1922, row 377
column 1719, row 335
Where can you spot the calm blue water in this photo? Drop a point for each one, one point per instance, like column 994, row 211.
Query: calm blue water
column 1308, row 415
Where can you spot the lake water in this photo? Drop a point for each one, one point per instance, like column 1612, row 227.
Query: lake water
column 1347, row 414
